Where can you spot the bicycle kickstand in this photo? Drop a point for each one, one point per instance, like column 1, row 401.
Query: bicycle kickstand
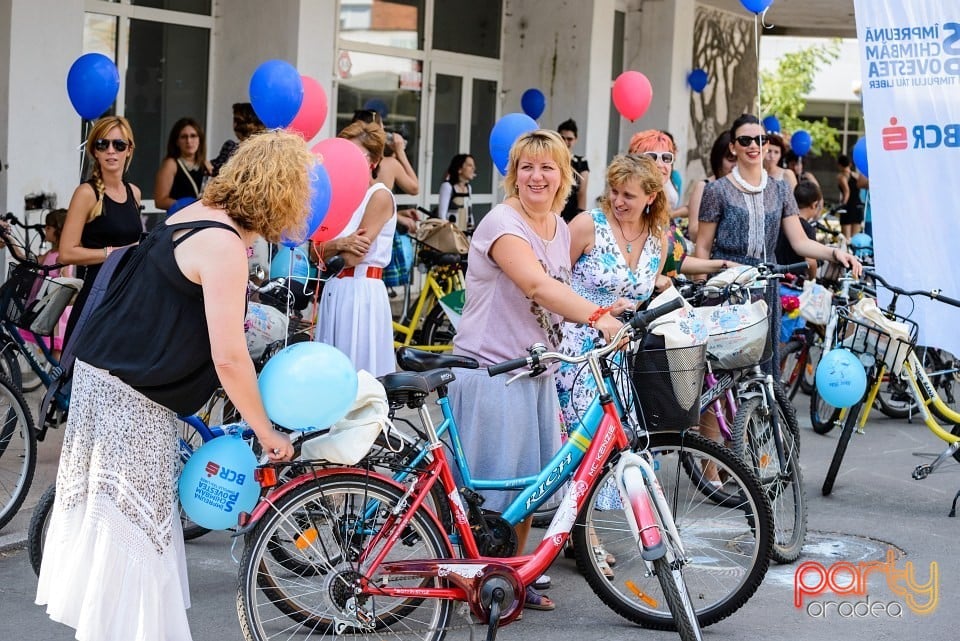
column 953, row 506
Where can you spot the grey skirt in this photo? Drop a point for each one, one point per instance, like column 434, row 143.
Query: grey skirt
column 507, row 431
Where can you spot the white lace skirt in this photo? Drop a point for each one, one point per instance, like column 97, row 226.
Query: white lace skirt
column 113, row 562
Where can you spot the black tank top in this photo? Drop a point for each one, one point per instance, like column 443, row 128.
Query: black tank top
column 150, row 331
column 186, row 183
column 853, row 202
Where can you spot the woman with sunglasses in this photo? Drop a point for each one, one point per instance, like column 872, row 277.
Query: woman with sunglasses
column 104, row 211
column 742, row 215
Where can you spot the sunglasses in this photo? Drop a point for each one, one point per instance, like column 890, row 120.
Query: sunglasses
column 367, row 115
column 744, row 141
column 119, row 144
column 662, row 156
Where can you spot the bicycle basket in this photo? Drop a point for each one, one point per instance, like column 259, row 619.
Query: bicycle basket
column 33, row 301
column 738, row 335
column 667, row 384
column 442, row 236
column 864, row 329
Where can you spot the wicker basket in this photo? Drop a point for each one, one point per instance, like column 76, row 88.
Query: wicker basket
column 668, row 383
column 33, row 301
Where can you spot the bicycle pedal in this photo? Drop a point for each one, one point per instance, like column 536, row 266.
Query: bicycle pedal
column 921, row 472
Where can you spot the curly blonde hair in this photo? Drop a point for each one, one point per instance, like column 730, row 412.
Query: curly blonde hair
column 265, row 186
column 644, row 171
column 541, row 143
column 100, row 130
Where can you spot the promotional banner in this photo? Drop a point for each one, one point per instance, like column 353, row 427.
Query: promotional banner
column 910, row 62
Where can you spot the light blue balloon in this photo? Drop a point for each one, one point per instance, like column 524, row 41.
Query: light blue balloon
column 504, row 133
column 92, row 84
column 308, row 386
column 841, row 379
column 300, row 270
column 800, row 142
column 860, row 157
column 276, row 93
column 217, row 483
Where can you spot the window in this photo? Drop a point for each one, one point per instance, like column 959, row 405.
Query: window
column 201, row 7
column 381, row 22
column 467, row 26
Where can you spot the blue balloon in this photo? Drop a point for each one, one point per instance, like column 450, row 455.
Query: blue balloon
column 180, row 204
column 217, row 482
column 698, row 80
column 860, row 157
column 276, row 92
column 771, row 124
column 321, row 193
column 92, row 84
column 801, row 142
column 301, row 268
column 533, row 103
column 308, row 386
column 841, row 379
column 756, row 6
column 504, row 133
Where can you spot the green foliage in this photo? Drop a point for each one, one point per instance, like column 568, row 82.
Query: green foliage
column 782, row 93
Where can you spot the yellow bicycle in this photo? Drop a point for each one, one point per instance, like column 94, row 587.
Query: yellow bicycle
column 898, row 354
column 425, row 324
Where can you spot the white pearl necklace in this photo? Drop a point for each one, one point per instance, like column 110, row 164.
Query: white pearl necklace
column 753, row 189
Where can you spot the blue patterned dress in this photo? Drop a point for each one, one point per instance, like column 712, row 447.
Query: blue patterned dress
column 601, row 276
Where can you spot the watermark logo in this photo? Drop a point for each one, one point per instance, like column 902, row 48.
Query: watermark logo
column 813, row 583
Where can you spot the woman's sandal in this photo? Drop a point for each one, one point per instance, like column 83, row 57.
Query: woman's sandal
column 536, row 601
column 603, row 560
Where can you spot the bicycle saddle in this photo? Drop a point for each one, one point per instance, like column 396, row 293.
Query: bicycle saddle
column 415, row 360
column 432, row 258
column 413, row 382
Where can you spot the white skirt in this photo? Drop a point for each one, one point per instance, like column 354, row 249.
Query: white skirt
column 114, row 566
column 355, row 318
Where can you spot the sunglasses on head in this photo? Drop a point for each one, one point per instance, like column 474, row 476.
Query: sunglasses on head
column 102, row 144
column 663, row 156
column 744, row 141
column 367, row 115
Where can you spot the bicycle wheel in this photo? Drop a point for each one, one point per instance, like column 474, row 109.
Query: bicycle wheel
column 327, row 524
column 808, row 381
column 14, row 365
column 18, row 450
column 190, row 441
column 944, row 372
column 823, row 416
column 894, row 398
column 437, row 328
column 848, row 426
column 727, row 547
column 677, row 596
column 37, row 530
column 754, row 442
column 793, row 363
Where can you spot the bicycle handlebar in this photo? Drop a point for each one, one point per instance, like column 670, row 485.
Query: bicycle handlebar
column 19, row 252
column 538, row 355
column 933, row 294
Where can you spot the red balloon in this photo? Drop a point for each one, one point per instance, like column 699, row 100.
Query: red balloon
column 632, row 94
column 349, row 177
column 313, row 110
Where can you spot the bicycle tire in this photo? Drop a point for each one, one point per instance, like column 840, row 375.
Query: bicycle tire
column 732, row 544
column 753, row 441
column 848, row 426
column 37, row 529
column 808, row 381
column 947, row 384
column 894, row 399
column 677, row 596
column 190, row 438
column 543, row 516
column 437, row 328
column 18, row 450
column 789, row 411
column 793, row 362
column 823, row 416
column 338, row 509
column 10, row 365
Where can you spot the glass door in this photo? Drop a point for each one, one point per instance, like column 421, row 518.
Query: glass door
column 463, row 109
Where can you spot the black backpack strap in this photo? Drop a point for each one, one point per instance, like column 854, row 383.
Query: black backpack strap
column 63, row 373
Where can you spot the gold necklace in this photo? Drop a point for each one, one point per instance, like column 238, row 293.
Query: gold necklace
column 629, row 241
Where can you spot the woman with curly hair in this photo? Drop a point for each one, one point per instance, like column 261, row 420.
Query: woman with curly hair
column 355, row 315
column 167, row 333
column 104, row 211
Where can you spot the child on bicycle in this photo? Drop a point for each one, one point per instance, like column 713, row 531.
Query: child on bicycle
column 52, row 227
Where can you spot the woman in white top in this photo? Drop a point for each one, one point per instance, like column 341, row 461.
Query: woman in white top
column 454, row 203
column 355, row 312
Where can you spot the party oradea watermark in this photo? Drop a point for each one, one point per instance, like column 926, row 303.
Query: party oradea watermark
column 865, row 590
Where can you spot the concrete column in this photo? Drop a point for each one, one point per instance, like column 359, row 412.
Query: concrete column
column 39, row 130
column 660, row 45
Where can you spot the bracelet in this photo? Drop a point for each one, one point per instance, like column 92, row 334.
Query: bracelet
column 595, row 316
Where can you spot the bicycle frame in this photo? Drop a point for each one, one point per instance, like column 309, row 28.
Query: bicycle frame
column 431, row 289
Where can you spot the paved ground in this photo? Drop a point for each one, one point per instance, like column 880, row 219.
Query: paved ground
column 875, row 507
